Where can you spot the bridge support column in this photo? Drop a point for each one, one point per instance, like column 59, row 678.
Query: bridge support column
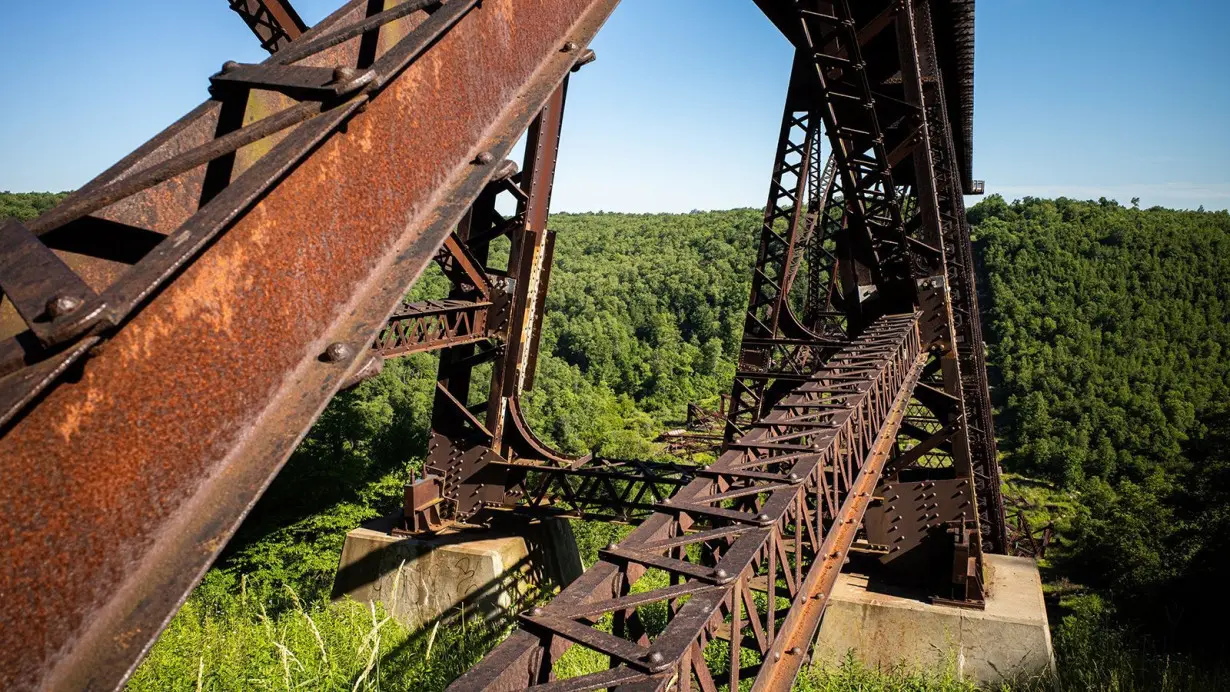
column 888, row 626
column 490, row 572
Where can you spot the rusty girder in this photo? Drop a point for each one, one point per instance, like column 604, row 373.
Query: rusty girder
column 148, row 380
column 778, row 510
column 874, row 81
column 265, row 238
column 275, row 22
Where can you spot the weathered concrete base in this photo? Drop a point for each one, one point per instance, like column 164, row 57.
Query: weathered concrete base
column 885, row 627
column 422, row 581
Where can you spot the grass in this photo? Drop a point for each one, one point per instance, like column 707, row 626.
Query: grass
column 339, row 646
column 244, row 628
column 248, row 641
column 852, row 675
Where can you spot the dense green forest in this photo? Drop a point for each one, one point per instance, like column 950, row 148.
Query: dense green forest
column 1109, row 343
column 1109, row 332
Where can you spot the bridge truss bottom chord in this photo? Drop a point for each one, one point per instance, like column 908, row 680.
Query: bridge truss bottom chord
column 751, row 547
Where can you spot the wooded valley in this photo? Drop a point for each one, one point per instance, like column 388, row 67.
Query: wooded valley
column 1108, row 333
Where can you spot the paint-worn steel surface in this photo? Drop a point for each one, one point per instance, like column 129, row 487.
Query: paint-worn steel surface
column 771, row 520
column 169, row 332
column 120, row 487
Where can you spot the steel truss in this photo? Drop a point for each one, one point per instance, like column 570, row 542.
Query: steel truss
column 285, row 199
column 771, row 520
column 274, row 22
column 860, row 406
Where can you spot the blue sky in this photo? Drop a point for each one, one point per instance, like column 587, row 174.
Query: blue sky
column 1116, row 98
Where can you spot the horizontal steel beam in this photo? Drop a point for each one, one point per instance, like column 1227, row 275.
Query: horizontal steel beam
column 755, row 521
column 119, row 489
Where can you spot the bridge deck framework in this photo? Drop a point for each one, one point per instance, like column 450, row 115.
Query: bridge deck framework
column 143, row 320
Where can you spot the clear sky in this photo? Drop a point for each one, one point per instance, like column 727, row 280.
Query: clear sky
column 1084, row 98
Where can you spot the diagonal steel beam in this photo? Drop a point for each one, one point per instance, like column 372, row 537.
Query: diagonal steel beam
column 275, row 22
column 173, row 429
column 725, row 533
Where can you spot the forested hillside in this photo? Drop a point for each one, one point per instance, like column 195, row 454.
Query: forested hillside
column 1109, row 342
column 1110, row 337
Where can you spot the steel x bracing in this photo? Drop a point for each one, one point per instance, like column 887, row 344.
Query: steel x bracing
column 275, row 22
column 772, row 519
column 296, row 194
column 143, row 320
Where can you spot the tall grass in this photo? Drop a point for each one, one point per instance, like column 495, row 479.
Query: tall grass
column 339, row 646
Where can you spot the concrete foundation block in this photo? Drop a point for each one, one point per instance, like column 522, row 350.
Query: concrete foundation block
column 487, row 572
column 886, row 627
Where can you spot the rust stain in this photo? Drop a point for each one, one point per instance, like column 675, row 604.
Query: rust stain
column 150, row 434
column 76, row 411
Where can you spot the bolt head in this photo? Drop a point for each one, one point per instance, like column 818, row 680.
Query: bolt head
column 763, row 517
column 793, row 476
column 228, row 66
column 536, row 611
column 337, row 351
column 586, row 58
column 484, row 158
column 508, row 168
column 777, row 655
column 794, row 651
column 344, row 73
column 610, row 546
column 721, row 573
column 62, row 305
column 655, row 657
column 570, row 46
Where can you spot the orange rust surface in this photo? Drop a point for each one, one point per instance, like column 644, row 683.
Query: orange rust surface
column 95, row 476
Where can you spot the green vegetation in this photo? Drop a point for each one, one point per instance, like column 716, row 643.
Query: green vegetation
column 1110, row 336
column 27, row 205
column 1108, row 330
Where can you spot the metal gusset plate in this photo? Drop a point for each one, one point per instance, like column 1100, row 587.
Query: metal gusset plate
column 280, row 264
column 770, row 521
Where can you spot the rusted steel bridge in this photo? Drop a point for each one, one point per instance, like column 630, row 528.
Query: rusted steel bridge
column 170, row 331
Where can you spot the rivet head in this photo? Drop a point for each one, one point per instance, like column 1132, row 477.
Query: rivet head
column 484, row 158
column 655, row 657
column 610, row 546
column 721, row 573
column 763, row 517
column 794, row 651
column 228, row 66
column 777, row 655
column 793, row 476
column 344, row 73
column 536, row 611
column 586, row 58
column 62, row 305
column 570, row 46
column 508, row 168
column 337, row 351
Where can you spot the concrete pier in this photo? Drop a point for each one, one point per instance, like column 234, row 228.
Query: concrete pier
column 423, row 580
column 886, row 627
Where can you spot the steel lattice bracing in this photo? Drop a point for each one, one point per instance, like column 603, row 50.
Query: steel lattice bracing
column 275, row 22
column 148, row 382
column 286, row 198
column 772, row 518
